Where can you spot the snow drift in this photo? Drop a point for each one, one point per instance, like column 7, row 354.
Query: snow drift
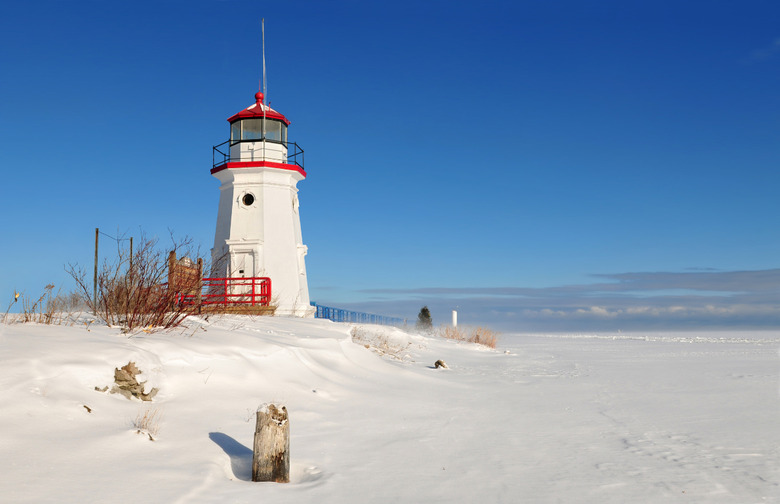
column 664, row 417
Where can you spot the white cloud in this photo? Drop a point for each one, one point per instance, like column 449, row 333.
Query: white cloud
column 644, row 300
column 598, row 311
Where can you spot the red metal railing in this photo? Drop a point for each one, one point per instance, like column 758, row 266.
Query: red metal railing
column 252, row 291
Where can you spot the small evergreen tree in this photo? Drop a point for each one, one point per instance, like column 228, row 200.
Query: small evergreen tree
column 424, row 320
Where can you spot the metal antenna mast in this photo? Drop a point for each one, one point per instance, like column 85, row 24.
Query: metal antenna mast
column 262, row 24
column 265, row 98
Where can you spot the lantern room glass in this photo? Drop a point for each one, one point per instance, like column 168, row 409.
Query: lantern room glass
column 252, row 129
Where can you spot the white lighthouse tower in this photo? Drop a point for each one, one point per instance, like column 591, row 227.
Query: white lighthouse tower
column 258, row 226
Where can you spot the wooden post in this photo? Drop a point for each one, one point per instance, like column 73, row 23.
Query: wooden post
column 271, row 453
column 199, row 285
column 172, row 270
column 94, row 284
column 172, row 279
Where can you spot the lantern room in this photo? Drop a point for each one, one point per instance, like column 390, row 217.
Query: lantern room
column 258, row 133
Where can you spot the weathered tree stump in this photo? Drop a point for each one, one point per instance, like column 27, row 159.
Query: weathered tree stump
column 271, row 453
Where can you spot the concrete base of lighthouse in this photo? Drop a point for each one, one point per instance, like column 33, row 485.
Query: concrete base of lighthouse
column 259, row 231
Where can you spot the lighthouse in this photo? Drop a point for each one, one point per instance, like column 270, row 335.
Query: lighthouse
column 258, row 226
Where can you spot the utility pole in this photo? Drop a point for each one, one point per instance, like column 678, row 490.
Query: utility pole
column 94, row 283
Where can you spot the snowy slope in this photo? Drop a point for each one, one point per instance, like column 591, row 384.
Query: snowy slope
column 544, row 418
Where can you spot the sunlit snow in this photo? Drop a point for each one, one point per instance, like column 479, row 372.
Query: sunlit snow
column 602, row 418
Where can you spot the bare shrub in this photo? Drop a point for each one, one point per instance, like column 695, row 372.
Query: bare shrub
column 68, row 303
column 33, row 310
column 379, row 343
column 148, row 422
column 46, row 309
column 480, row 335
column 484, row 336
column 452, row 333
column 132, row 290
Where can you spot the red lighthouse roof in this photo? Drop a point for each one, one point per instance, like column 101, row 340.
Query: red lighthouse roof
column 256, row 110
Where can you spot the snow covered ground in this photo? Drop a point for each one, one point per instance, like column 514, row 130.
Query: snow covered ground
column 603, row 418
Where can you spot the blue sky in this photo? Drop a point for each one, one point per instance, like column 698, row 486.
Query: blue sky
column 538, row 165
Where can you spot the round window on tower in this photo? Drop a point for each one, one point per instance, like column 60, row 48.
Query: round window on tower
column 248, row 199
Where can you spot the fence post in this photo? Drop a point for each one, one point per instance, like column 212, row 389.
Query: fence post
column 225, row 300
column 271, row 450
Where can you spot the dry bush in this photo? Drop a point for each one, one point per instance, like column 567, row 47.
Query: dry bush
column 148, row 422
column 479, row 335
column 379, row 343
column 484, row 336
column 452, row 333
column 69, row 303
column 132, row 290
column 47, row 309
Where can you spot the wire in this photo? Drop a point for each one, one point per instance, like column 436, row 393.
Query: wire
column 114, row 238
